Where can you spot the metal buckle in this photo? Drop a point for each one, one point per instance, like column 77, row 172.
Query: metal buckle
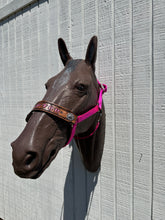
column 70, row 116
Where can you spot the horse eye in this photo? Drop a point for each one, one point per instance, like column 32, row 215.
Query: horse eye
column 81, row 87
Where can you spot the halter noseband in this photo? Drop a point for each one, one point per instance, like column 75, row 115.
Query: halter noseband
column 67, row 115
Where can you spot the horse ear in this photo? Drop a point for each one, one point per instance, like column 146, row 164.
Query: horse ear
column 91, row 53
column 64, row 54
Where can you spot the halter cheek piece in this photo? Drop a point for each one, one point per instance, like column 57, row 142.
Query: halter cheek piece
column 67, row 115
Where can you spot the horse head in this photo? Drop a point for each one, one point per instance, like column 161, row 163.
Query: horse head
column 71, row 108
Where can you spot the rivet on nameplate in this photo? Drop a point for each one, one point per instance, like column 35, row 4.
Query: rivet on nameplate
column 70, row 116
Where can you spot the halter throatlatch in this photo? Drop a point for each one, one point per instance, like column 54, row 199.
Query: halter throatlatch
column 67, row 115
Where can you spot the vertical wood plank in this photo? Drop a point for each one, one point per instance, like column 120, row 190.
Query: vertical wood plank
column 105, row 72
column 5, row 78
column 142, row 101
column 43, row 42
column 53, row 37
column 123, row 107
column 35, row 73
column 159, row 110
column 10, row 96
column 19, row 71
column 90, row 18
column 77, row 29
column 26, row 58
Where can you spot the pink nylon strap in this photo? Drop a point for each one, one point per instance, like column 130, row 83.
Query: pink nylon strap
column 80, row 138
column 91, row 112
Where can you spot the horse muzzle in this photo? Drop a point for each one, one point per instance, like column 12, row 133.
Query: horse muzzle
column 31, row 164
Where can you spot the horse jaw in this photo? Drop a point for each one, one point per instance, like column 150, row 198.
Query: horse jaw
column 91, row 148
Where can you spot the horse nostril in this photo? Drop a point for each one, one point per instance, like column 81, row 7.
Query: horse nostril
column 31, row 156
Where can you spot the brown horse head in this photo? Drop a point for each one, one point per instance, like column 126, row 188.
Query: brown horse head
column 72, row 92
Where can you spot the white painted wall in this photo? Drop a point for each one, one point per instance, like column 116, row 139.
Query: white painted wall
column 4, row 3
column 131, row 61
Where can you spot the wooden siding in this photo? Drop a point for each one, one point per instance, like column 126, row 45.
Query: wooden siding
column 131, row 61
column 4, row 3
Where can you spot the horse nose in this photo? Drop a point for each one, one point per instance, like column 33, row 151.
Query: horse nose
column 24, row 161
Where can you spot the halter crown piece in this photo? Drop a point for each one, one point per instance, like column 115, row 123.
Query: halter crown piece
column 67, row 115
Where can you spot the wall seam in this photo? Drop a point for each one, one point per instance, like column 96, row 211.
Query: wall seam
column 114, row 109
column 152, row 108
column 132, row 115
column 3, row 176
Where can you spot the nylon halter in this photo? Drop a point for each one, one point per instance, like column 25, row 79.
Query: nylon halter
column 69, row 116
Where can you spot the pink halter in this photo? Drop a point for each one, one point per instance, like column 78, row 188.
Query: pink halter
column 67, row 115
column 86, row 115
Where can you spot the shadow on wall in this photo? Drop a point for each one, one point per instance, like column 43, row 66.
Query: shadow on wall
column 78, row 190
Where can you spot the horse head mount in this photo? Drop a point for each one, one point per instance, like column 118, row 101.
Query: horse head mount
column 71, row 108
